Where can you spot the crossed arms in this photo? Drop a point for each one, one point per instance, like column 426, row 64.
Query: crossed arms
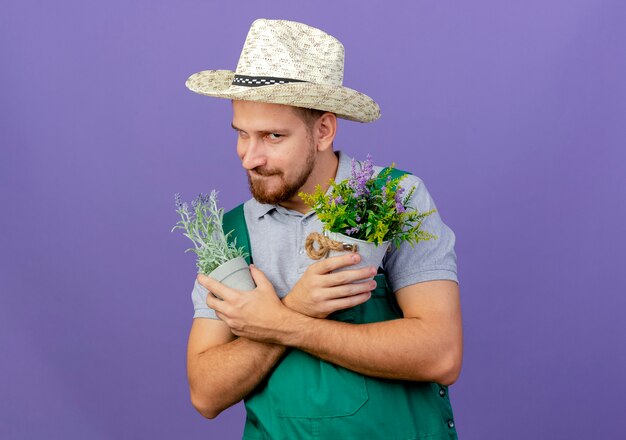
column 227, row 358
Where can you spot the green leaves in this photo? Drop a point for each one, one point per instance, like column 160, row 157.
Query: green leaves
column 380, row 213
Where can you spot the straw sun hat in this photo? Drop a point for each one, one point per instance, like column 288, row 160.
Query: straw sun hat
column 285, row 62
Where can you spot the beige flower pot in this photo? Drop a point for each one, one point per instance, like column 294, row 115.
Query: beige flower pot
column 234, row 273
column 371, row 255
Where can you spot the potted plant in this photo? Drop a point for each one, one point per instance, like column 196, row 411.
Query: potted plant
column 364, row 214
column 216, row 256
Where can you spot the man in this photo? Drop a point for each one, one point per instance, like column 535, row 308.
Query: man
column 294, row 348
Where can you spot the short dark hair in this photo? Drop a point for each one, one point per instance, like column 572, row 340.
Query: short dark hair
column 309, row 115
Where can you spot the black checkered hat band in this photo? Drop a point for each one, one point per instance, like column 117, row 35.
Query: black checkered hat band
column 257, row 81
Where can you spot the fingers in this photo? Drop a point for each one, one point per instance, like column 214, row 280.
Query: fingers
column 349, row 290
column 349, row 276
column 333, row 263
column 215, row 287
column 259, row 277
column 215, row 303
column 348, row 301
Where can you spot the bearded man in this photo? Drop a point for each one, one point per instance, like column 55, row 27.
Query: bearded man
column 307, row 350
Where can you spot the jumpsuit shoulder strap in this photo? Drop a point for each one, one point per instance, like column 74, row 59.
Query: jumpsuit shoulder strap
column 235, row 221
column 394, row 172
column 381, row 276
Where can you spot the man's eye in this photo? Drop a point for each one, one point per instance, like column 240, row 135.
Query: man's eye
column 274, row 136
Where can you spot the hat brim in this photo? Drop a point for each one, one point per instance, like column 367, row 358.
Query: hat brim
column 343, row 101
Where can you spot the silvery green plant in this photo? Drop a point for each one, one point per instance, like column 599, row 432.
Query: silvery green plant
column 203, row 226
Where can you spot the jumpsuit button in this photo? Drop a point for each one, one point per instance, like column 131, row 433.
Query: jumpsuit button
column 450, row 423
column 442, row 392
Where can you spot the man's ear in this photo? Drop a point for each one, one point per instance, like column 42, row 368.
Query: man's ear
column 325, row 129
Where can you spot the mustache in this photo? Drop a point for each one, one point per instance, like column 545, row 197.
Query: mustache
column 266, row 172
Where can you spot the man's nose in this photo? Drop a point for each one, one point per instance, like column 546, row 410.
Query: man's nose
column 254, row 155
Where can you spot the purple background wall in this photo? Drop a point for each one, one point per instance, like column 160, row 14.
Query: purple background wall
column 513, row 113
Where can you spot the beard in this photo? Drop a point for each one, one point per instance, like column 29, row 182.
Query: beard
column 262, row 193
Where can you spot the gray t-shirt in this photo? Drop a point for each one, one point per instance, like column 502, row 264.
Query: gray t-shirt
column 277, row 237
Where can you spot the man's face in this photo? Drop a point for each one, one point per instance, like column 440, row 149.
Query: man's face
column 276, row 147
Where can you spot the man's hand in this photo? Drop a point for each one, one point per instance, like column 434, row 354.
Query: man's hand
column 221, row 368
column 257, row 314
column 319, row 292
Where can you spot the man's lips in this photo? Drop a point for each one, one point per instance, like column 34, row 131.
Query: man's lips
column 255, row 173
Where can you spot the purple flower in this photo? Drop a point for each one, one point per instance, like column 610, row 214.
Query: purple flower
column 384, row 187
column 352, row 230
column 358, row 219
column 338, row 200
column 398, row 199
column 361, row 189
column 177, row 201
column 368, row 167
column 358, row 180
column 398, row 196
